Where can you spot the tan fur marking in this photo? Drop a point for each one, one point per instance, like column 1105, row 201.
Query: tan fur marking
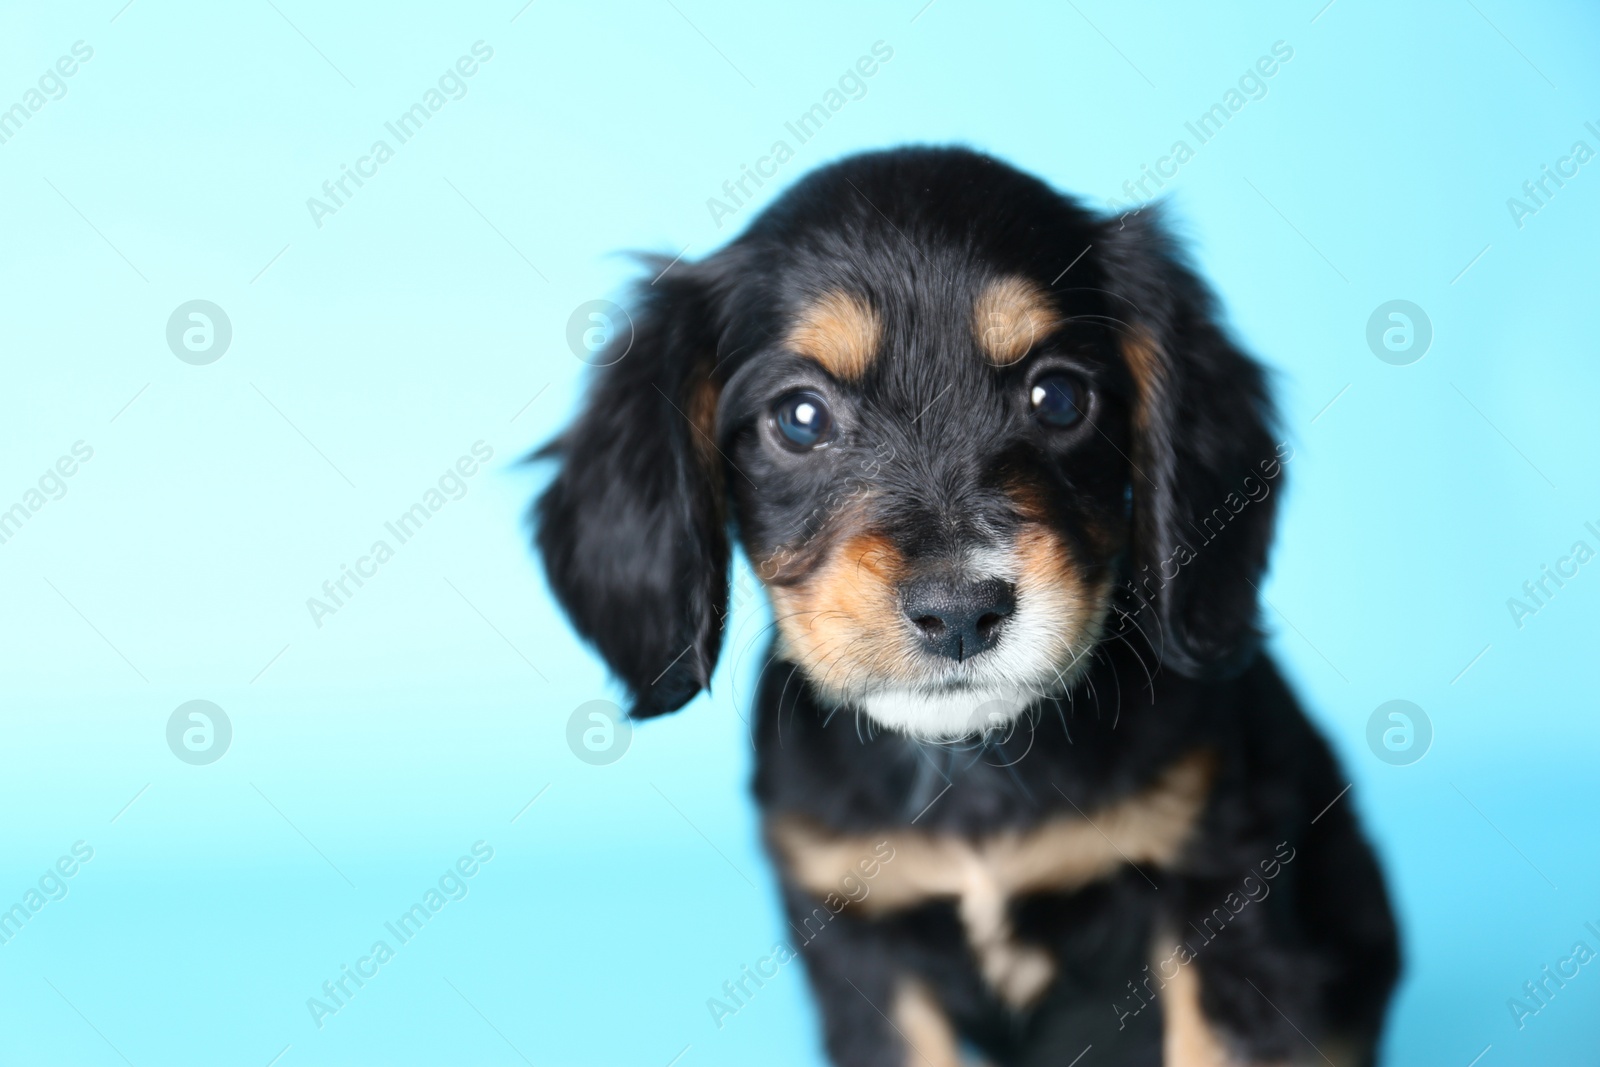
column 1010, row 316
column 930, row 1039
column 1077, row 606
column 1105, row 534
column 1063, row 854
column 845, row 616
column 1018, row 972
column 1148, row 368
column 702, row 413
column 839, row 331
column 1187, row 1040
column 1029, row 499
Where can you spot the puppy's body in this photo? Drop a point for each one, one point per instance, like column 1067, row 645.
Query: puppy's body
column 1315, row 938
column 1010, row 488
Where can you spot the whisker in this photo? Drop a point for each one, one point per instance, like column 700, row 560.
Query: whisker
column 820, row 653
column 761, row 672
column 1116, row 676
column 738, row 660
column 1149, row 679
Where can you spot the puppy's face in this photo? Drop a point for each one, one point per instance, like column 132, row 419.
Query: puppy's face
column 931, row 476
column 949, row 414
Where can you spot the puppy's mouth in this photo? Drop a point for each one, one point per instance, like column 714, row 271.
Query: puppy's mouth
column 948, row 654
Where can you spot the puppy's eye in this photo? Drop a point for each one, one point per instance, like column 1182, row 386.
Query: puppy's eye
column 1058, row 400
column 803, row 420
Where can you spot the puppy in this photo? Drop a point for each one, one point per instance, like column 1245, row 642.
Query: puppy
column 1010, row 488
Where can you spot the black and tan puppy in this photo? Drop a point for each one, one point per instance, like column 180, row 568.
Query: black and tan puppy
column 1010, row 488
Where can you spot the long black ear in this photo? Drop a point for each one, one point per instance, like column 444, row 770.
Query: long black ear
column 1208, row 472
column 633, row 528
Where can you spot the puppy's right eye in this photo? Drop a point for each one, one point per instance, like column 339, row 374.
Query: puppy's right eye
column 1058, row 400
column 803, row 421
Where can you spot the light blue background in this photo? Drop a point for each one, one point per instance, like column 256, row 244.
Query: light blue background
column 370, row 753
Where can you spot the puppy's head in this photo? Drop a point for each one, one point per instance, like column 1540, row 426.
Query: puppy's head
column 964, row 429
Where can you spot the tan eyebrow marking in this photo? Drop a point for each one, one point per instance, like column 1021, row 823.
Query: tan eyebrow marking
column 1010, row 316
column 840, row 331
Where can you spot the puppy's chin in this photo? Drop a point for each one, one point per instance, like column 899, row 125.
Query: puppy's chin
column 937, row 700
column 947, row 714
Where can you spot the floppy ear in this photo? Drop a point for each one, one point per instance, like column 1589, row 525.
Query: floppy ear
column 633, row 528
column 1207, row 469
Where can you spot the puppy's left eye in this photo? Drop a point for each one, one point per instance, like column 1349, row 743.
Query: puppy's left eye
column 803, row 420
column 1058, row 400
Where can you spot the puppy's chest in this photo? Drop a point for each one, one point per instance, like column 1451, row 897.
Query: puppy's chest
column 903, row 867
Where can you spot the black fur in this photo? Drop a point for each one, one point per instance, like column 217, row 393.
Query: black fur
column 634, row 530
column 635, row 534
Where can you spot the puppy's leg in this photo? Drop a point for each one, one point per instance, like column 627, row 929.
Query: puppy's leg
column 920, row 1021
column 1191, row 1039
column 1237, row 993
column 1344, row 909
column 874, row 1014
column 1187, row 1037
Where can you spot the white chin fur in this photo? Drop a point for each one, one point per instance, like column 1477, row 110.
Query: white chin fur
column 944, row 715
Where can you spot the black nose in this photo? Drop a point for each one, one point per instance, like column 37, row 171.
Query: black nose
column 958, row 619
